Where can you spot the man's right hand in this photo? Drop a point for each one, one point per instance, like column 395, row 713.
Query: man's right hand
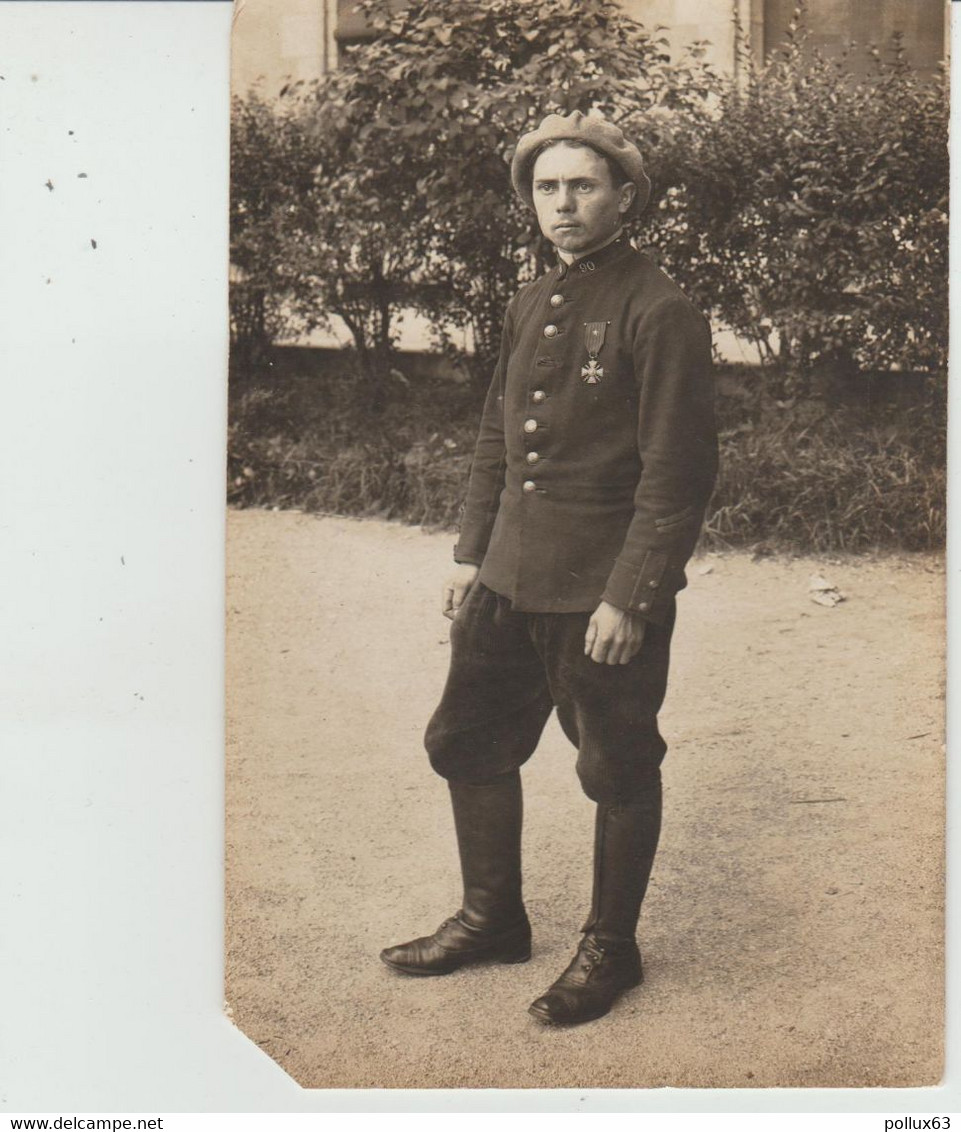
column 457, row 587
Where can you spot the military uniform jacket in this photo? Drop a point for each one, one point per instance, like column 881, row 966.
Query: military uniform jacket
column 580, row 489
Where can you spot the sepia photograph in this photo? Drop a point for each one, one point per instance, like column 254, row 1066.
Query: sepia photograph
column 586, row 519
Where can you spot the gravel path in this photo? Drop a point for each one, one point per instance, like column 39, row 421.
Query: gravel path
column 792, row 934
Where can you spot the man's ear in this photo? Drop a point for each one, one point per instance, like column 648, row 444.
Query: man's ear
column 628, row 193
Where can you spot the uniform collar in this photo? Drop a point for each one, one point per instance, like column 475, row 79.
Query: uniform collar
column 592, row 262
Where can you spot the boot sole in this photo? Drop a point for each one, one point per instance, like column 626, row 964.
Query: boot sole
column 422, row 972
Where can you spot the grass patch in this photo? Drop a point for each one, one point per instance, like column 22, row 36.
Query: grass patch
column 841, row 483
column 797, row 478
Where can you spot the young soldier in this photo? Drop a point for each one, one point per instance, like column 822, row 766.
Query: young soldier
column 595, row 461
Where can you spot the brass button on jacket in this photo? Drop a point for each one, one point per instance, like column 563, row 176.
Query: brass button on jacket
column 637, row 446
column 538, row 396
column 557, row 300
column 530, row 426
column 550, row 330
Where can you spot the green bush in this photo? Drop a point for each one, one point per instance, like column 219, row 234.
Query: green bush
column 270, row 162
column 809, row 212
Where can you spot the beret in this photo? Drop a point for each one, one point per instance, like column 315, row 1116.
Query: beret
column 590, row 129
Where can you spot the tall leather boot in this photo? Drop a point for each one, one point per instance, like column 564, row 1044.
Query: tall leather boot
column 491, row 923
column 608, row 962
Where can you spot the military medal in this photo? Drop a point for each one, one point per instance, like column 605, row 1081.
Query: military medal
column 593, row 339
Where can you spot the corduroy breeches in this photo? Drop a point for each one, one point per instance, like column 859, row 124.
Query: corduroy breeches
column 509, row 670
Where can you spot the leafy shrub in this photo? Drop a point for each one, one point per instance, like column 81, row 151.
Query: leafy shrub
column 269, row 161
column 810, row 211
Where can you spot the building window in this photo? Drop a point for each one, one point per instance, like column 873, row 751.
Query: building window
column 834, row 24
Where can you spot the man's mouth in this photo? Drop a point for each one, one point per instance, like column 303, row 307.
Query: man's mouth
column 565, row 226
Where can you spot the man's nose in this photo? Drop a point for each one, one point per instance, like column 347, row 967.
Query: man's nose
column 565, row 198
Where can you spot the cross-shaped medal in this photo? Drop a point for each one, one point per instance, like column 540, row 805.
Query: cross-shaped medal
column 592, row 372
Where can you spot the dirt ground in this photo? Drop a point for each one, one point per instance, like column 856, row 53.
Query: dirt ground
column 792, row 934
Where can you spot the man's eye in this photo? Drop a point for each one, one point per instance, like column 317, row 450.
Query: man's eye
column 545, row 188
column 584, row 186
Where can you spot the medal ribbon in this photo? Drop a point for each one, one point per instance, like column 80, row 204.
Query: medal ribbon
column 594, row 333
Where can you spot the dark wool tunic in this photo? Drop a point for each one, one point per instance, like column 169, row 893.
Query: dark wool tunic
column 581, row 492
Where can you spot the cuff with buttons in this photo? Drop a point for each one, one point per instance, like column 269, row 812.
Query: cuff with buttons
column 640, row 589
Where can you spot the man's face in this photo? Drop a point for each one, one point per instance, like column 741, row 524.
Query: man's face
column 578, row 207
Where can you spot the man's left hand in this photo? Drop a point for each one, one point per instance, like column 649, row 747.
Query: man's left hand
column 613, row 635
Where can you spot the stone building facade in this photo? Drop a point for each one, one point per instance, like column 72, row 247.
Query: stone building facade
column 276, row 41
